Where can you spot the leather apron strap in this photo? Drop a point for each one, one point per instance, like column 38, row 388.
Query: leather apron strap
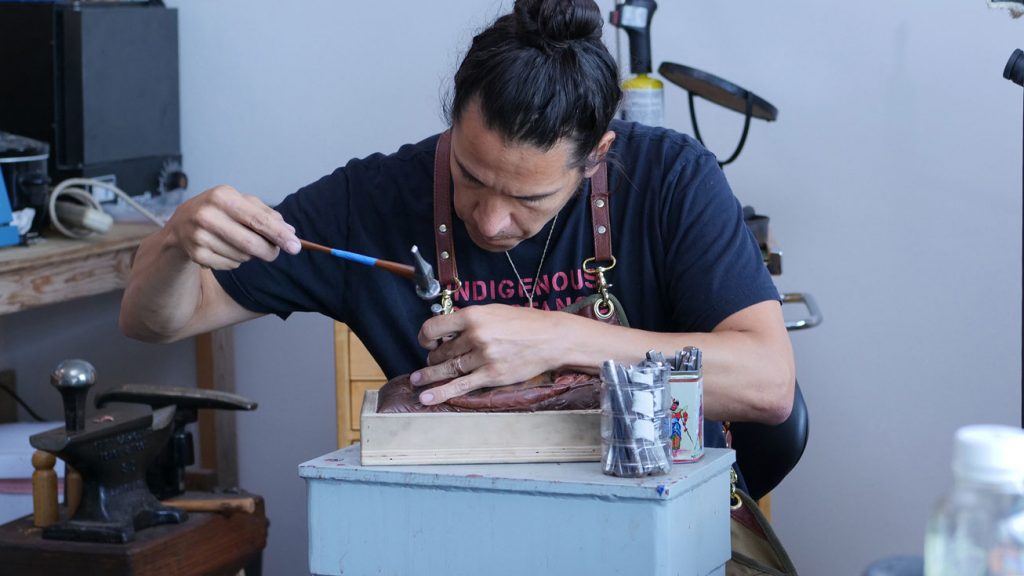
column 448, row 273
column 600, row 219
column 444, row 243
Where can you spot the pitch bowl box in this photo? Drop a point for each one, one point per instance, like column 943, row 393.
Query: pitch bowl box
column 478, row 437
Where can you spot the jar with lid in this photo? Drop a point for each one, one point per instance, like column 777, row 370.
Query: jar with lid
column 978, row 528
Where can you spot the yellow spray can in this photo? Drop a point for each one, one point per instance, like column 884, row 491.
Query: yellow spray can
column 643, row 95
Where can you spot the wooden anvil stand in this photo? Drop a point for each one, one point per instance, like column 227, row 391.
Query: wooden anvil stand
column 112, row 524
column 208, row 544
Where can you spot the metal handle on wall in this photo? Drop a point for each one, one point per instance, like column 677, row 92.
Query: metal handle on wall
column 814, row 313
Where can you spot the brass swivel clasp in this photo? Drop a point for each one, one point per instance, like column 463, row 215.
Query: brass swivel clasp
column 446, row 297
column 604, row 307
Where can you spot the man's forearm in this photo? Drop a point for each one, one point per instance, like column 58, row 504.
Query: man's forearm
column 163, row 293
column 748, row 375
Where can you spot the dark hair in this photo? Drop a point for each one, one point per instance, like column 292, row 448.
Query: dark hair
column 541, row 73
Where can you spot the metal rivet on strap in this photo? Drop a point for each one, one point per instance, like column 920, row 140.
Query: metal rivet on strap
column 442, row 228
column 444, row 255
column 599, row 203
column 601, row 229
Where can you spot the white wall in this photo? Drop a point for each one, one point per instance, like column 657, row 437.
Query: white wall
column 892, row 178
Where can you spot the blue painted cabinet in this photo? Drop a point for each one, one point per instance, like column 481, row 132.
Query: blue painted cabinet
column 516, row 519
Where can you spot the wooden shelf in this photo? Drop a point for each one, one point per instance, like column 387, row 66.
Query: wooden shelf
column 61, row 269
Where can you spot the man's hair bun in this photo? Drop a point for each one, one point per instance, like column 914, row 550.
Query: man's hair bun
column 557, row 22
column 542, row 73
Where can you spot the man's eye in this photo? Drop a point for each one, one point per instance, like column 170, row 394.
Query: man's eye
column 532, row 200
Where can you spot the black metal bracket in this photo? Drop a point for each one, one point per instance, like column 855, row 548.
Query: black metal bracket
column 166, row 475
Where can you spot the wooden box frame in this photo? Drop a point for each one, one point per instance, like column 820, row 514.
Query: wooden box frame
column 478, row 437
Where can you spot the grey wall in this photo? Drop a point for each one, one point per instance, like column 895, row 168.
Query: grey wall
column 892, row 178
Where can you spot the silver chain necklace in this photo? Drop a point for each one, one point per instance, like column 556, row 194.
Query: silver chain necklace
column 533, row 291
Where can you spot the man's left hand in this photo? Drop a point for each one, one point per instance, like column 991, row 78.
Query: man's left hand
column 494, row 345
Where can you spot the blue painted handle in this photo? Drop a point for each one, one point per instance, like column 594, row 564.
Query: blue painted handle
column 354, row 257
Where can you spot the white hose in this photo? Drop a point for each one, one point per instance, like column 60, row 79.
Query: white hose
column 73, row 188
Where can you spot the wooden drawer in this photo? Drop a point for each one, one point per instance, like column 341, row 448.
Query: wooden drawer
column 359, row 387
column 355, row 372
column 361, row 365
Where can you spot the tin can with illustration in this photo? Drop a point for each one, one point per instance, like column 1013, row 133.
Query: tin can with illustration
column 686, row 410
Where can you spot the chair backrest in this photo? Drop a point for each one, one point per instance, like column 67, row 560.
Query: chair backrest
column 766, row 454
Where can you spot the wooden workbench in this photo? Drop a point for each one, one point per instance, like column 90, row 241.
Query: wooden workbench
column 59, row 269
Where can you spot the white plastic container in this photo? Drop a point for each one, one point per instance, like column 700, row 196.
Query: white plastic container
column 978, row 528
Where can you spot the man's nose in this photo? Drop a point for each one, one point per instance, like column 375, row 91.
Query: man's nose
column 492, row 218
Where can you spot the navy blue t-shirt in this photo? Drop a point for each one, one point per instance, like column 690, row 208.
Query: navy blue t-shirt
column 685, row 258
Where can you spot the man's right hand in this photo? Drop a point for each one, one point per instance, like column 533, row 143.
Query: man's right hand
column 169, row 297
column 221, row 228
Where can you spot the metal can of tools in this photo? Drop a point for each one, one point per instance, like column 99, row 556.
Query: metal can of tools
column 634, row 403
column 686, row 415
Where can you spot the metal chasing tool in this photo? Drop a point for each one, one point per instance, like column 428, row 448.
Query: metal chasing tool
column 427, row 286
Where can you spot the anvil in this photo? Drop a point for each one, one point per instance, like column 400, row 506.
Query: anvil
column 111, row 450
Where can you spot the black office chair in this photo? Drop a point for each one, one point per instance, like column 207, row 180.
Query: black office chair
column 766, row 453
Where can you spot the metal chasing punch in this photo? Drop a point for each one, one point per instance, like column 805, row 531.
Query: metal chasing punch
column 427, row 286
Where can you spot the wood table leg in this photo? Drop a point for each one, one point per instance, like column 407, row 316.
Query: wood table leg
column 218, row 439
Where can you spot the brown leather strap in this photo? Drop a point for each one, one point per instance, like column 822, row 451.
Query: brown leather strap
column 444, row 244
column 602, row 223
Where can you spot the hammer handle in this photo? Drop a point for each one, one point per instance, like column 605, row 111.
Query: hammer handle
column 403, row 270
column 245, row 504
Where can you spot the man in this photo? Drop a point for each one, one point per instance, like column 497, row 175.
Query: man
column 531, row 122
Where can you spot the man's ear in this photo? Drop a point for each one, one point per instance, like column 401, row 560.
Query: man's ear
column 598, row 155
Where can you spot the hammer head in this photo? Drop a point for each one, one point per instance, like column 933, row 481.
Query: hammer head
column 427, row 286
